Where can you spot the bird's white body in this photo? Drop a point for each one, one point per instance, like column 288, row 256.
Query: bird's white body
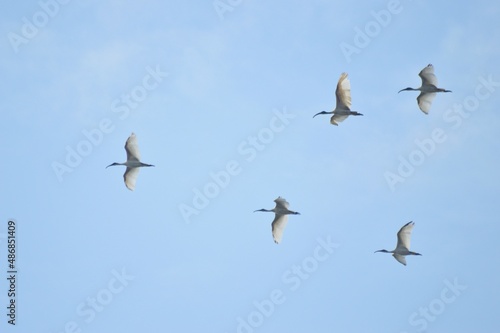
column 428, row 89
column 280, row 221
column 403, row 246
column 343, row 106
column 133, row 162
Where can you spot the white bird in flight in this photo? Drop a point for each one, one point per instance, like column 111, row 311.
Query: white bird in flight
column 280, row 218
column 133, row 162
column 428, row 89
column 403, row 247
column 342, row 108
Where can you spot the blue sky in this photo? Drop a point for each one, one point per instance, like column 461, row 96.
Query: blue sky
column 221, row 96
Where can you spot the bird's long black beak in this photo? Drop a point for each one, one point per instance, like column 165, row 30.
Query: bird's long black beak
column 322, row 112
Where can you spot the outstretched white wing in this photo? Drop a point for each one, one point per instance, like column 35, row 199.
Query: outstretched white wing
column 130, row 177
column 404, row 236
column 400, row 258
column 337, row 118
column 428, row 77
column 132, row 148
column 281, row 204
column 343, row 93
column 424, row 101
column 278, row 226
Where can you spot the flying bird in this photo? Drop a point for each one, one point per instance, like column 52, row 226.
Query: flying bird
column 133, row 162
column 280, row 218
column 428, row 89
column 403, row 247
column 342, row 108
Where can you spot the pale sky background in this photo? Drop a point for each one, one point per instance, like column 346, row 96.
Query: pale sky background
column 229, row 74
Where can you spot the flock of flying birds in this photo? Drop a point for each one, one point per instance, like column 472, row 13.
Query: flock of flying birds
column 342, row 110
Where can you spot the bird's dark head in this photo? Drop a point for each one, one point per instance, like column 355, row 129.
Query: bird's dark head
column 405, row 89
column 113, row 164
column 262, row 210
column 322, row 112
column 385, row 251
